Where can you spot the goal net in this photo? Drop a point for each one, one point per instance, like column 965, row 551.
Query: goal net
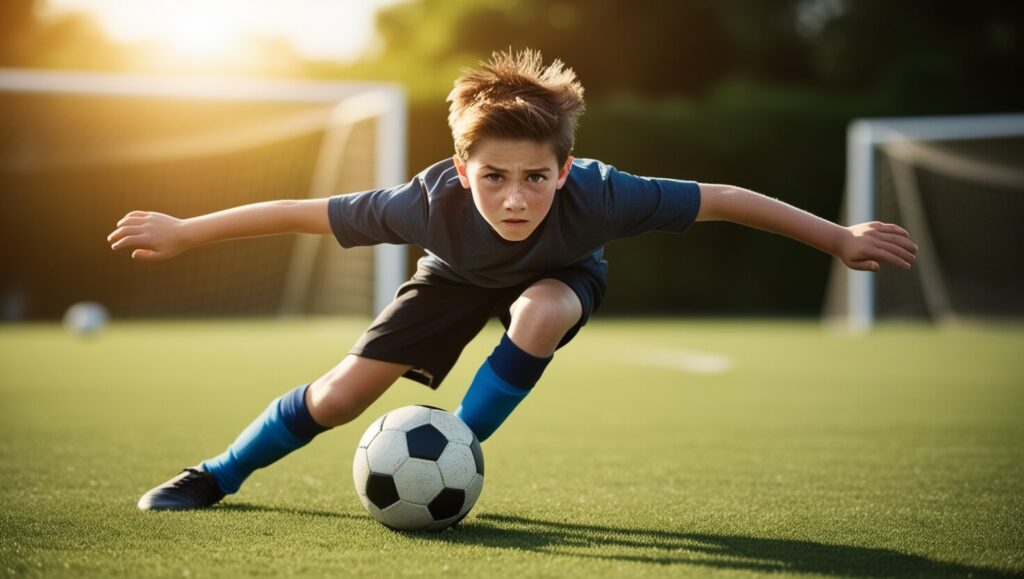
column 79, row 150
column 957, row 184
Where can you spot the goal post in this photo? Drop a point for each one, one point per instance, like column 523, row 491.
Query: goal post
column 388, row 106
column 957, row 184
column 84, row 145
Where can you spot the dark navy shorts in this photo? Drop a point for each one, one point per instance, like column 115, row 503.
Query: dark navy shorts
column 432, row 319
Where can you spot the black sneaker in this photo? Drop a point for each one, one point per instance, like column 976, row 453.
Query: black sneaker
column 194, row 488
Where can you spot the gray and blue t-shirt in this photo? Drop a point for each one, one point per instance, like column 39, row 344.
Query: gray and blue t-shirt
column 597, row 204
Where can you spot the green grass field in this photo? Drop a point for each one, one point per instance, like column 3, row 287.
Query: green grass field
column 650, row 448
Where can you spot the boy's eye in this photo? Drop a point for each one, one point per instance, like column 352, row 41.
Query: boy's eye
column 493, row 177
column 535, row 178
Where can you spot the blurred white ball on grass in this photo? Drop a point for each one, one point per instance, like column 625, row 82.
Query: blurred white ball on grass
column 86, row 318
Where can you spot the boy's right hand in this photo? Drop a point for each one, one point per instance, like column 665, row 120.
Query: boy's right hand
column 151, row 236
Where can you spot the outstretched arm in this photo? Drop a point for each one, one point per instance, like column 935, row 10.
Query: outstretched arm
column 152, row 236
column 862, row 246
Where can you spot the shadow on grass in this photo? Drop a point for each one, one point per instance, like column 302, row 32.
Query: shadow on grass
column 257, row 508
column 669, row 548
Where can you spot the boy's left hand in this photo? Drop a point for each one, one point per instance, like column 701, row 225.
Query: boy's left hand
column 870, row 243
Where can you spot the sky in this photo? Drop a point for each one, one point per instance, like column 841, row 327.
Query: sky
column 318, row 29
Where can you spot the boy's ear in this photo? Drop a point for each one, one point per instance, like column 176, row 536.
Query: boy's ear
column 563, row 174
column 461, row 168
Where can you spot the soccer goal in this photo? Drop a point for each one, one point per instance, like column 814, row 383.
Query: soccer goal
column 957, row 184
column 78, row 150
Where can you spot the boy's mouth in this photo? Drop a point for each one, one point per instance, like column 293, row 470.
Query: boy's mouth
column 515, row 221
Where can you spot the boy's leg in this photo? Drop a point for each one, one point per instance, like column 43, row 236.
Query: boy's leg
column 289, row 423
column 541, row 318
column 542, row 315
column 342, row 394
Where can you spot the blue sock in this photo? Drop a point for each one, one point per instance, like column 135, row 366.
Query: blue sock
column 503, row 380
column 283, row 427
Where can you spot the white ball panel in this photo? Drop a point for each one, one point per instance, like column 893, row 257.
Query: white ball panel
column 418, row 481
column 406, row 418
column 387, row 452
column 472, row 494
column 451, row 426
column 371, row 431
column 407, row 516
column 360, row 471
column 457, row 466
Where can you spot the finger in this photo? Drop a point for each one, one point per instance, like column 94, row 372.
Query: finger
column 131, row 241
column 896, row 229
column 881, row 254
column 898, row 239
column 898, row 251
column 894, row 260
column 864, row 265
column 906, row 244
column 117, row 235
column 145, row 255
column 903, row 242
column 131, row 220
column 122, row 232
column 120, row 244
column 130, row 215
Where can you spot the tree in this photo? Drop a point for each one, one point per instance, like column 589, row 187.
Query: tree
column 650, row 46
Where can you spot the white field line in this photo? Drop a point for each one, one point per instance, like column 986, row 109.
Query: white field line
column 692, row 361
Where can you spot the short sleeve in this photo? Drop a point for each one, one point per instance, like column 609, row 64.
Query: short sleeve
column 397, row 215
column 636, row 205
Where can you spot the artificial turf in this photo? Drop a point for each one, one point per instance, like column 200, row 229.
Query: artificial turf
column 650, row 448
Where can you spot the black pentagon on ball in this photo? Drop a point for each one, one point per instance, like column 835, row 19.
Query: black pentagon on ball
column 426, row 442
column 447, row 504
column 381, row 490
column 478, row 456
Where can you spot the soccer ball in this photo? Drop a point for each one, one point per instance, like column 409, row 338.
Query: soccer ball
column 418, row 468
column 85, row 318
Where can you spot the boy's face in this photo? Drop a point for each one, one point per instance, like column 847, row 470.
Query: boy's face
column 513, row 183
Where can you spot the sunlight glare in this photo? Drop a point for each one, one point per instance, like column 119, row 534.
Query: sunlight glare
column 200, row 32
column 213, row 33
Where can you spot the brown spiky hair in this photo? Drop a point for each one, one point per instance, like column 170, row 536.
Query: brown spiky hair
column 514, row 96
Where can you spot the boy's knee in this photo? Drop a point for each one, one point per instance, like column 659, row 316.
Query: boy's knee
column 542, row 315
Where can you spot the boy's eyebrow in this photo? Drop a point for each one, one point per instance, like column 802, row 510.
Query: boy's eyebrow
column 500, row 170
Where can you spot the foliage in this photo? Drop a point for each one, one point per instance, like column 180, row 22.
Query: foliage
column 753, row 93
column 658, row 47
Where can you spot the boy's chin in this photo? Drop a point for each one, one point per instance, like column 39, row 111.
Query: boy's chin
column 516, row 234
column 513, row 238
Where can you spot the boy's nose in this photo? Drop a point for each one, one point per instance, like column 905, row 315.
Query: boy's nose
column 514, row 199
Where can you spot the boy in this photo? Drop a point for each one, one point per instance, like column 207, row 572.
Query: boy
column 513, row 227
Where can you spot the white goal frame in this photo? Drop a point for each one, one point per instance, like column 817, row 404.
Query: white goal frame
column 863, row 137
column 353, row 102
